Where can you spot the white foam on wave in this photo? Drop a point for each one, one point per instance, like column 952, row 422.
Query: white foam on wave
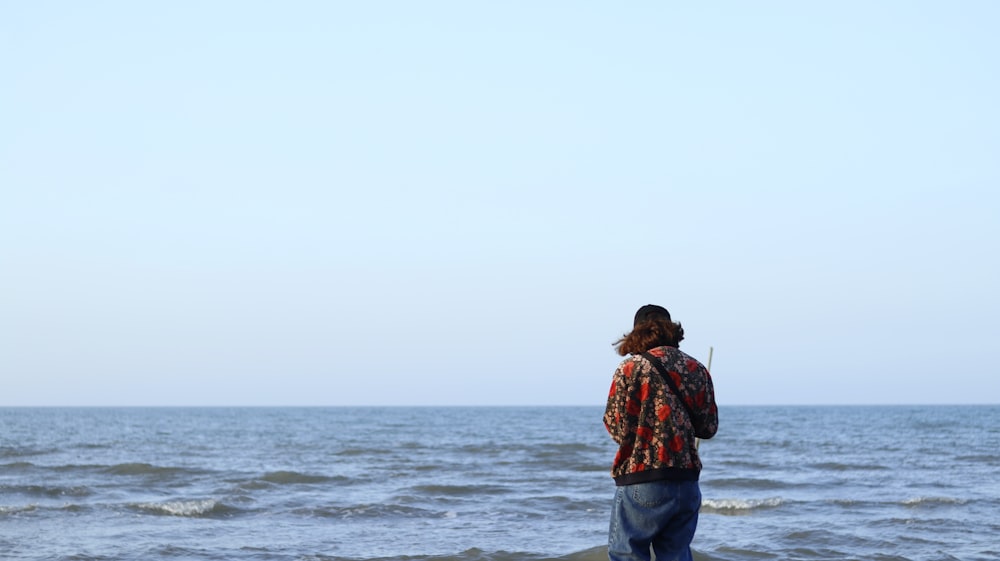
column 723, row 506
column 918, row 501
column 181, row 508
column 17, row 509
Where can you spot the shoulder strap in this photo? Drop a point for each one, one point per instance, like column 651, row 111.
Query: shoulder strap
column 658, row 366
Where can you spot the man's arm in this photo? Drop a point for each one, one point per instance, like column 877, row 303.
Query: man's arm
column 707, row 422
column 615, row 412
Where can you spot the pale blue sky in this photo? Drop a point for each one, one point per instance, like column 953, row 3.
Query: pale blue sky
column 339, row 203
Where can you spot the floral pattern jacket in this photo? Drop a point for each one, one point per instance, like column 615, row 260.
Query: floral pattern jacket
column 655, row 434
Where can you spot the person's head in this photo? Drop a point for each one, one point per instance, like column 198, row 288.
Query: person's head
column 651, row 328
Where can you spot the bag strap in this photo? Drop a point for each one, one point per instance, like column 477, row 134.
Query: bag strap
column 658, row 365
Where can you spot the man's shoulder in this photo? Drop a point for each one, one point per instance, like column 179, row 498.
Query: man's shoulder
column 682, row 361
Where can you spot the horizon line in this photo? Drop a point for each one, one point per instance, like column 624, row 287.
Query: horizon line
column 456, row 406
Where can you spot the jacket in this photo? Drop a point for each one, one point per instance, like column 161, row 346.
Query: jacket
column 655, row 434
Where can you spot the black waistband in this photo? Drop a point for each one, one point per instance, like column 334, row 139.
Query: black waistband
column 662, row 474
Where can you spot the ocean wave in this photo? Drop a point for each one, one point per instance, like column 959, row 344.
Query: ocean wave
column 561, row 450
column 373, row 511
column 137, row 468
column 460, row 490
column 187, row 508
column 932, row 501
column 94, row 446
column 915, row 502
column 838, row 466
column 354, row 452
column 77, row 467
column 992, row 459
column 294, row 477
column 599, row 553
column 47, row 490
column 21, row 451
column 18, row 509
column 744, row 464
column 751, row 483
column 125, row 469
column 739, row 506
column 72, row 508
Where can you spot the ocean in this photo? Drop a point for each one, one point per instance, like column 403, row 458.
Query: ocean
column 893, row 483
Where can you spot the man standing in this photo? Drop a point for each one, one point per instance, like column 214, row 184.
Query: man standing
column 661, row 401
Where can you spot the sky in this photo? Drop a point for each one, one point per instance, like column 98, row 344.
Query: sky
column 463, row 203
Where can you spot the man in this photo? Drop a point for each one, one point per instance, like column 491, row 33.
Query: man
column 661, row 401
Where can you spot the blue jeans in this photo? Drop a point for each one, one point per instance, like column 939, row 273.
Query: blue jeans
column 661, row 514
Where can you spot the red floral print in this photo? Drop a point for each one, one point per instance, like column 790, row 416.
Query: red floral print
column 663, row 412
column 632, row 407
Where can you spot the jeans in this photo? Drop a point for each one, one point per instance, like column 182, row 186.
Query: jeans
column 661, row 514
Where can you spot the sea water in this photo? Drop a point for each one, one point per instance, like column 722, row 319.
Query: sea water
column 484, row 484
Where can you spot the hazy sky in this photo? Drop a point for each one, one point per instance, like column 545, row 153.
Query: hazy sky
column 438, row 203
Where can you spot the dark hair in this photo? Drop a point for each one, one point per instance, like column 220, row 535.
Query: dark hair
column 649, row 334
